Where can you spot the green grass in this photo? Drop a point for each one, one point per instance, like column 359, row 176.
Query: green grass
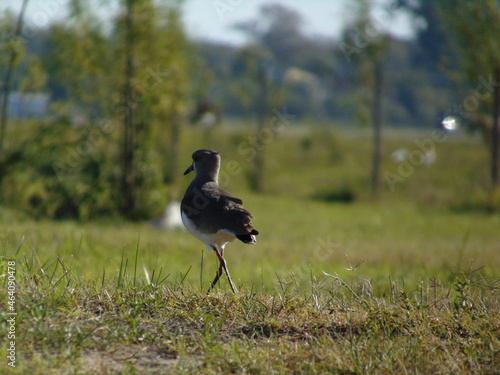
column 405, row 284
column 123, row 298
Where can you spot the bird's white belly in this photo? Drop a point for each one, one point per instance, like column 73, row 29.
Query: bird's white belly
column 219, row 239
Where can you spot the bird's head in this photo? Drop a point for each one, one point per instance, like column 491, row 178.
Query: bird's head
column 205, row 163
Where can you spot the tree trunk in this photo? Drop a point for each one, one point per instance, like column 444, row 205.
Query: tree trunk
column 127, row 178
column 8, row 74
column 495, row 140
column 262, row 110
column 377, row 127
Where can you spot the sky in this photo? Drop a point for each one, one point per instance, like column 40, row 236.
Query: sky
column 212, row 19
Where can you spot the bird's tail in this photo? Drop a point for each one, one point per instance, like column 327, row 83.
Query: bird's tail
column 248, row 238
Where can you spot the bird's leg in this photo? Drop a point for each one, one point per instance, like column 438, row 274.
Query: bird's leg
column 218, row 273
column 222, row 266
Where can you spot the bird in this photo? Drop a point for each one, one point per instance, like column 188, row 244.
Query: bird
column 213, row 215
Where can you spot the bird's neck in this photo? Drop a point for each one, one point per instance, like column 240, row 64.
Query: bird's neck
column 208, row 177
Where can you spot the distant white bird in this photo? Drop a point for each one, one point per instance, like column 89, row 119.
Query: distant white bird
column 429, row 157
column 208, row 119
column 171, row 218
column 400, row 155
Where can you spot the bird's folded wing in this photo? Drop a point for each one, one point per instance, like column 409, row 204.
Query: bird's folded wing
column 214, row 191
column 224, row 211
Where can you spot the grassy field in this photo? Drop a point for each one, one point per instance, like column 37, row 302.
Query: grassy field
column 404, row 284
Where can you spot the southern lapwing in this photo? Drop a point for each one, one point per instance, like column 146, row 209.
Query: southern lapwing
column 213, row 215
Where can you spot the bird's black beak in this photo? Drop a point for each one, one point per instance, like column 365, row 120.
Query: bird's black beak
column 190, row 169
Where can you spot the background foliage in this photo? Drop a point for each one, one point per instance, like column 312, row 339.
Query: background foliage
column 72, row 159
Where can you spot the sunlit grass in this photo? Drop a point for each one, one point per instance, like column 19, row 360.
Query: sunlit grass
column 102, row 299
column 297, row 237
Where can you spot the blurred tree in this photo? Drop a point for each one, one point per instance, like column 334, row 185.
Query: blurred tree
column 277, row 29
column 433, row 43
column 302, row 65
column 263, row 107
column 35, row 79
column 255, row 92
column 137, row 74
column 78, row 61
column 476, row 28
column 431, row 86
column 176, row 93
column 128, row 183
column 16, row 50
column 366, row 46
column 156, row 86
